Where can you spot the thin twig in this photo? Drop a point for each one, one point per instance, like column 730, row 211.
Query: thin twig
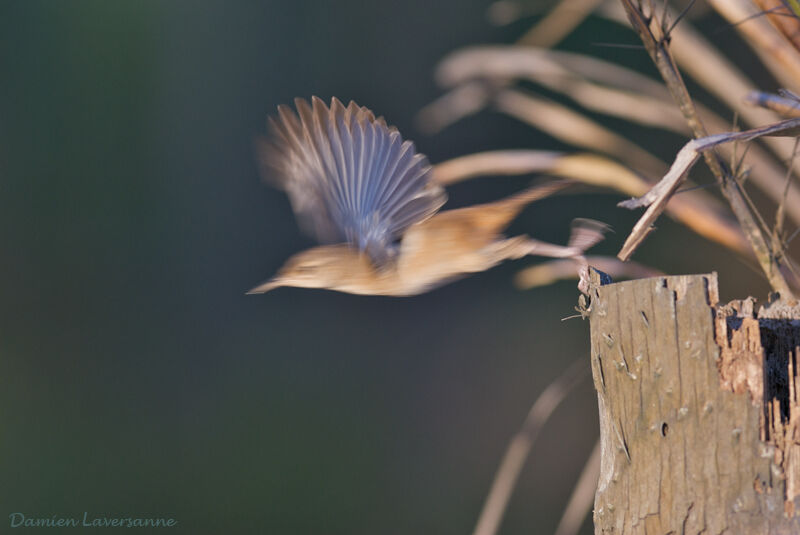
column 780, row 214
column 680, row 16
column 506, row 477
column 793, row 236
column 582, row 495
column 656, row 199
column 778, row 242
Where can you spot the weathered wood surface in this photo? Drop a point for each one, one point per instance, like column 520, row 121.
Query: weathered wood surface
column 698, row 410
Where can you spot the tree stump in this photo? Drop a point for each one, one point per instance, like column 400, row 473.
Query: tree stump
column 699, row 412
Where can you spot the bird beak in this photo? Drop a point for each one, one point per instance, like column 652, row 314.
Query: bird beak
column 265, row 287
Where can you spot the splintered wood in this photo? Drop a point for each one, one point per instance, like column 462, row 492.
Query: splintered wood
column 699, row 412
column 759, row 355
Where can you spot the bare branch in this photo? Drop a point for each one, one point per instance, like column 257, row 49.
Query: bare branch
column 658, row 197
column 657, row 47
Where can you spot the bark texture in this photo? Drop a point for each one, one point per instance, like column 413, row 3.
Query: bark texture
column 699, row 414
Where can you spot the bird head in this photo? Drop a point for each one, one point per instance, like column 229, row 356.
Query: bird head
column 334, row 267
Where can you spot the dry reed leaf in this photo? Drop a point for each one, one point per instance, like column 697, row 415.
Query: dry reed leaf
column 501, row 162
column 645, row 101
column 564, row 269
column 531, row 63
column 589, row 169
column 600, row 171
column 496, row 67
column 634, row 107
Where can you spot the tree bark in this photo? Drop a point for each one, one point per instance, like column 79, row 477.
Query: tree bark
column 699, row 413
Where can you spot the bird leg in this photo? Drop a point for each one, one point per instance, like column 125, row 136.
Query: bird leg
column 523, row 245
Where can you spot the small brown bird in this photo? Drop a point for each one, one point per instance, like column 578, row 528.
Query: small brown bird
column 364, row 192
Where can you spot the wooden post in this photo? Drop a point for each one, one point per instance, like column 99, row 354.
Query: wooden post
column 699, row 412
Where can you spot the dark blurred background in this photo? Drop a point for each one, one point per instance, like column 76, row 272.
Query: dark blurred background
column 136, row 377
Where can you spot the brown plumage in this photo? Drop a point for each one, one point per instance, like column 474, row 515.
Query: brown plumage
column 352, row 180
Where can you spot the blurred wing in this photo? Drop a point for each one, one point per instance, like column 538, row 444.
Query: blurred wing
column 349, row 176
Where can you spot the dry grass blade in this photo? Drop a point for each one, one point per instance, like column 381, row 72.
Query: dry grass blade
column 517, row 453
column 495, row 66
column 553, row 271
column 638, row 108
column 582, row 498
column 600, row 171
column 587, row 168
column 780, row 214
column 501, row 162
column 511, row 62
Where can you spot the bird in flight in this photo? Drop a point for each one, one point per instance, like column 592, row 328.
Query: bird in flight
column 368, row 197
